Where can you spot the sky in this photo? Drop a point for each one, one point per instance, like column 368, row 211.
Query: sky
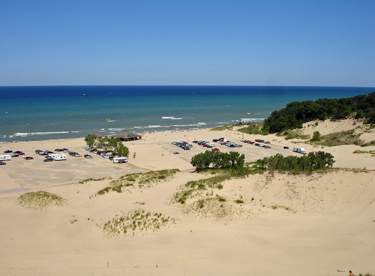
column 187, row 42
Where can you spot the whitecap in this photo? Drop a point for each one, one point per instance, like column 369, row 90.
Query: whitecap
column 20, row 134
column 116, row 129
column 48, row 132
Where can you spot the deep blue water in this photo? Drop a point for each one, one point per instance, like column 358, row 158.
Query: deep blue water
column 53, row 112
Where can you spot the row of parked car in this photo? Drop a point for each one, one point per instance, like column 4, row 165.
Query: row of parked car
column 98, row 152
column 225, row 142
column 105, row 155
column 183, row 144
column 257, row 143
column 14, row 154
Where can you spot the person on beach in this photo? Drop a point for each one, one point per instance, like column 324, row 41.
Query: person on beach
column 351, row 273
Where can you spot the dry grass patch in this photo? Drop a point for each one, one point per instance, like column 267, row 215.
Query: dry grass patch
column 135, row 223
column 41, row 200
column 136, row 181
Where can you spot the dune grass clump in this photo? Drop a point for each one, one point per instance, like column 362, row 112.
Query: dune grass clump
column 136, row 222
column 138, row 180
column 372, row 152
column 203, row 197
column 94, row 179
column 253, row 128
column 222, row 128
column 340, row 138
column 41, row 200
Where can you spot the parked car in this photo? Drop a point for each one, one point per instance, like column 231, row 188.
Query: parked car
column 285, row 147
column 215, row 149
column 27, row 157
column 267, row 147
column 87, row 156
column 176, row 152
column 2, row 163
column 8, row 151
column 15, row 154
column 48, row 159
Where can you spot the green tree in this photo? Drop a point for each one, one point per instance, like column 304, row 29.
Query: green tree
column 316, row 136
column 113, row 143
column 122, row 150
column 90, row 140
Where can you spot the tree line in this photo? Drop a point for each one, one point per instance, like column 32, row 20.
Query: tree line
column 218, row 160
column 297, row 113
column 313, row 161
column 108, row 144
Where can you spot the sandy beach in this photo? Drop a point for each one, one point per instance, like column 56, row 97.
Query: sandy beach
column 287, row 224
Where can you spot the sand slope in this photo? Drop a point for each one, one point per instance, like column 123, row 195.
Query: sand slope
column 289, row 224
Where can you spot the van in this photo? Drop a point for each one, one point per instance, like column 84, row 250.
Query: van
column 58, row 156
column 120, row 160
column 6, row 157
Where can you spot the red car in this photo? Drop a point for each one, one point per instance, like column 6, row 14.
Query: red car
column 21, row 153
column 29, row 157
column 215, row 149
column 223, row 143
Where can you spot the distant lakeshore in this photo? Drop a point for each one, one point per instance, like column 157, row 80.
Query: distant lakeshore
column 44, row 113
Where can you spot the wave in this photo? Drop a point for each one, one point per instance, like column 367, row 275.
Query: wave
column 116, row 129
column 24, row 134
column 18, row 134
column 110, row 121
column 184, row 125
column 251, row 120
column 155, row 126
column 171, row 118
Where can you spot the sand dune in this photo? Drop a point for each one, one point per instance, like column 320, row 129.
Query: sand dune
column 288, row 224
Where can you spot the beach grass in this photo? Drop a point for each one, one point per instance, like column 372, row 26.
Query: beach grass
column 253, row 128
column 138, row 181
column 198, row 196
column 95, row 179
column 41, row 200
column 221, row 128
column 136, row 222
column 340, row 138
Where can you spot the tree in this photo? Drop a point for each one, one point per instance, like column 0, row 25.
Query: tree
column 218, row 160
column 113, row 143
column 90, row 140
column 316, row 136
column 121, row 150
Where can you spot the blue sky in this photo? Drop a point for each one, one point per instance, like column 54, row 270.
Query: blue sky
column 190, row 42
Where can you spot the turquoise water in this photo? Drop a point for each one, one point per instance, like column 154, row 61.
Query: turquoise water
column 53, row 112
